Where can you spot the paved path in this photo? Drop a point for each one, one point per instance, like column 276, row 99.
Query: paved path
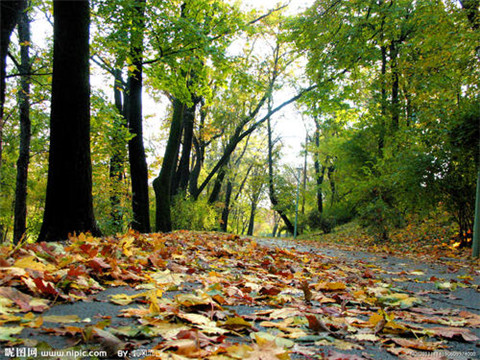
column 409, row 275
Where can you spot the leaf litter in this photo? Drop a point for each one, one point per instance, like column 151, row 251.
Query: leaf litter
column 191, row 286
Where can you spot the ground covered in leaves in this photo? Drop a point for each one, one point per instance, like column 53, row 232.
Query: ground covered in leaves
column 214, row 296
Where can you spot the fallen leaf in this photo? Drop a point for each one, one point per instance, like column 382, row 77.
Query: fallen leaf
column 451, row 332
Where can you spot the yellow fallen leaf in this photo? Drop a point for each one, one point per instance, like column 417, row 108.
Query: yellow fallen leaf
column 331, row 286
column 65, row 319
column 31, row 262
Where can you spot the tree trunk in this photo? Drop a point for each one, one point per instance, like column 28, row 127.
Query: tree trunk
column 271, row 187
column 319, row 169
column 9, row 12
column 331, row 171
column 136, row 150
column 162, row 184
column 226, row 209
column 68, row 206
column 251, row 221
column 183, row 173
column 20, row 223
column 395, row 86
column 117, row 160
column 214, row 195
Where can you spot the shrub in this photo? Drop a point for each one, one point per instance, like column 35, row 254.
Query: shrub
column 188, row 214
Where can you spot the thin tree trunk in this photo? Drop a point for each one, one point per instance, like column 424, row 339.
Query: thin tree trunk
column 20, row 223
column 214, row 195
column 319, row 169
column 226, row 209
column 383, row 102
column 117, row 160
column 271, row 186
column 136, row 150
column 304, row 182
column 331, row 179
column 183, row 173
column 69, row 205
column 251, row 221
column 162, row 184
column 395, row 86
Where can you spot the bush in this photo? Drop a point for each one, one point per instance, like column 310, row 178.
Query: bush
column 378, row 214
column 188, row 214
column 316, row 220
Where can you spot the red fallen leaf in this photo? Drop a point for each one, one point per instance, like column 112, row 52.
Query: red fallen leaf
column 368, row 274
column 45, row 287
column 89, row 249
column 64, row 330
column 4, row 263
column 451, row 332
column 335, row 355
column 98, row 264
column 270, row 290
column 316, row 325
column 75, row 271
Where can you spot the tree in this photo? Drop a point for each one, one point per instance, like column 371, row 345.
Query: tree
column 20, row 223
column 10, row 12
column 68, row 206
column 136, row 151
column 473, row 14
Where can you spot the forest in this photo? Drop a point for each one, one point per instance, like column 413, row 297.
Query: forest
column 388, row 91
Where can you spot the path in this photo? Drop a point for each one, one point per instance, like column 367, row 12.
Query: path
column 446, row 298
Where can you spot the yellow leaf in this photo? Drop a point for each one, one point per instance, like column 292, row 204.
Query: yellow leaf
column 331, row 286
column 31, row 262
column 62, row 318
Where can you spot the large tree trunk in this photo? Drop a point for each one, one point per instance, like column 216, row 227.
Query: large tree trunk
column 136, row 150
column 162, row 184
column 20, row 223
column 68, row 206
column 9, row 12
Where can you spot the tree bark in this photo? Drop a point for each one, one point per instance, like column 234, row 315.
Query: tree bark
column 136, row 150
column 20, row 222
column 162, row 184
column 68, row 206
